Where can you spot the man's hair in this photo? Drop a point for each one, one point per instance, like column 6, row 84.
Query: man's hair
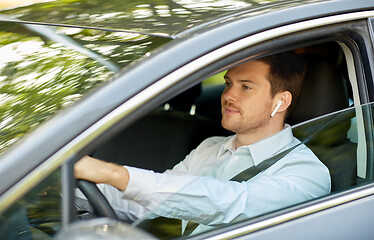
column 287, row 71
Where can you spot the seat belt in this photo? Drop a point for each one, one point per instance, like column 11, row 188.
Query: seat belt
column 245, row 175
column 250, row 172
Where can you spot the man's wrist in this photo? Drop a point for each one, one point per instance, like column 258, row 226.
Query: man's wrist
column 118, row 176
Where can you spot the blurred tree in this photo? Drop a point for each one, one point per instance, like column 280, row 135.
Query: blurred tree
column 39, row 76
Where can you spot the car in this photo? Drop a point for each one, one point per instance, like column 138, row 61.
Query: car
column 89, row 77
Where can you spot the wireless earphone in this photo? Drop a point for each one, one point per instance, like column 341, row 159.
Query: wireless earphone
column 279, row 104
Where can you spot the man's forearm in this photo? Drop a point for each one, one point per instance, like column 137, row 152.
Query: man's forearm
column 98, row 171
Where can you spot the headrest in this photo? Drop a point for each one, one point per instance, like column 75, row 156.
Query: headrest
column 324, row 90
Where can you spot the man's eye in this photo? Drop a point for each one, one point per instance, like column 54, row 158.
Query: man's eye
column 246, row 87
column 227, row 84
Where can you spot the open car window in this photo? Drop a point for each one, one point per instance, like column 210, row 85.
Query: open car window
column 331, row 128
column 333, row 138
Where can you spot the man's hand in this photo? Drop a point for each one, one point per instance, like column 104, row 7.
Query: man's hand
column 98, row 171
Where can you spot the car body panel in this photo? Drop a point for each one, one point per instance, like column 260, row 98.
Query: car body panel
column 331, row 223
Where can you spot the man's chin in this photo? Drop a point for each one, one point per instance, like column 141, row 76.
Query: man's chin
column 228, row 127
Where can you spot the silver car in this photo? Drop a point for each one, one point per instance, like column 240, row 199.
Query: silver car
column 90, row 77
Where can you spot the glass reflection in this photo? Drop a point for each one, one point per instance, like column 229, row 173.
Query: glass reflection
column 157, row 16
column 45, row 69
column 37, row 215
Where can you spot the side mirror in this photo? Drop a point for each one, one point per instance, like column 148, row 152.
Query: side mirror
column 101, row 228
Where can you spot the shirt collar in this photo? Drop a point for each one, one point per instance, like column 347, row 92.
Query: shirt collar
column 269, row 146
column 228, row 145
column 262, row 149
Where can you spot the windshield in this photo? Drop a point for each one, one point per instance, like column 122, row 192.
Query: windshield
column 45, row 69
column 159, row 17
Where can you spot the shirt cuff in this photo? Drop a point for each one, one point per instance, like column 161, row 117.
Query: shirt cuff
column 141, row 183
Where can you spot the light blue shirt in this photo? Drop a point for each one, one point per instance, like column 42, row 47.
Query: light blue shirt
column 198, row 188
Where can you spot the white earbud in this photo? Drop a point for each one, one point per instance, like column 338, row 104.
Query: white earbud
column 279, row 104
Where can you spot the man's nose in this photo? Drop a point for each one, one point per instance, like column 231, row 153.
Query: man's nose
column 229, row 94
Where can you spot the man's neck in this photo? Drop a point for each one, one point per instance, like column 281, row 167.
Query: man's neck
column 255, row 135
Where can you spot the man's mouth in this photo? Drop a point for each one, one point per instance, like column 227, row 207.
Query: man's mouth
column 231, row 110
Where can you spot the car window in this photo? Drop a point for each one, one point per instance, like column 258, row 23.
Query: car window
column 334, row 140
column 332, row 137
column 37, row 215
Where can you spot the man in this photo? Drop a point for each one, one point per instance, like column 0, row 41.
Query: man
column 257, row 98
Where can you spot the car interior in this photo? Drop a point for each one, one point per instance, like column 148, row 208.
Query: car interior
column 171, row 131
column 164, row 136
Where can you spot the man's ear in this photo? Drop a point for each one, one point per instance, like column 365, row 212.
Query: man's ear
column 286, row 98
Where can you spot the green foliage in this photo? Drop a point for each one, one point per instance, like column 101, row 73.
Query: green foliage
column 215, row 79
column 155, row 16
column 39, row 76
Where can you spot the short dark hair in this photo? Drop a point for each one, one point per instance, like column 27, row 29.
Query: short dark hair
column 287, row 72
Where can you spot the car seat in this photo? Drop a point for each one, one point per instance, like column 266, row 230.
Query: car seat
column 325, row 91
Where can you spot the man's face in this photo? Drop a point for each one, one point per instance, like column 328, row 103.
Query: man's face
column 246, row 100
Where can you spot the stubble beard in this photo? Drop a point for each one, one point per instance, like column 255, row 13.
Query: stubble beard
column 247, row 124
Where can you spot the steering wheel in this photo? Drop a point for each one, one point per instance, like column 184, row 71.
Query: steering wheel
column 100, row 204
